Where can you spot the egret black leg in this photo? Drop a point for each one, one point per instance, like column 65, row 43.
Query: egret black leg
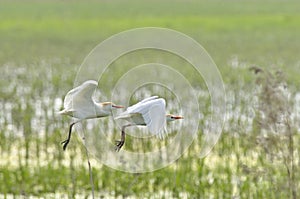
column 66, row 142
column 121, row 142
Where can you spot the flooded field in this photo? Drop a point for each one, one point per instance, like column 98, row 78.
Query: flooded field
column 257, row 155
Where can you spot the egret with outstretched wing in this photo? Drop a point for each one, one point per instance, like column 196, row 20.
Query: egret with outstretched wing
column 78, row 103
column 150, row 112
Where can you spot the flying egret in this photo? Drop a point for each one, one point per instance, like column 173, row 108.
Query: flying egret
column 78, row 103
column 149, row 112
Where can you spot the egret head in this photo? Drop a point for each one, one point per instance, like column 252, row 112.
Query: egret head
column 108, row 106
column 171, row 118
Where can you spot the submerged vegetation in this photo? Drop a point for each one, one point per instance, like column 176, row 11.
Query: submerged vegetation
column 257, row 156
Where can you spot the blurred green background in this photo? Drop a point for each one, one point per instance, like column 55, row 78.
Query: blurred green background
column 43, row 43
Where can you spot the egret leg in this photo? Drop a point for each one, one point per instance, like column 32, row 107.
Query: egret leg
column 66, row 142
column 121, row 142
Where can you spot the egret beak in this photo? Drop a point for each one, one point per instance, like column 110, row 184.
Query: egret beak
column 178, row 117
column 117, row 106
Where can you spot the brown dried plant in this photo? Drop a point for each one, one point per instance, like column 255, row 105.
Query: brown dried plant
column 273, row 123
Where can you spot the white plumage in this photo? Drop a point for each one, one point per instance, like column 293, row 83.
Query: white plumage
column 80, row 96
column 150, row 112
column 79, row 103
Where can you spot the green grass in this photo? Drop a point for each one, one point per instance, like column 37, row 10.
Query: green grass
column 258, row 33
column 42, row 45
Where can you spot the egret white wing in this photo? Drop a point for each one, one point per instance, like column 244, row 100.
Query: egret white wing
column 149, row 98
column 153, row 112
column 80, row 96
column 157, row 122
column 136, row 106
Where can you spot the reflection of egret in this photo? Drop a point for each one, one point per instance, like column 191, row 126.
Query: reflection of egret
column 79, row 104
column 150, row 112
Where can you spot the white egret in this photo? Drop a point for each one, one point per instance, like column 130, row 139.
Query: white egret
column 78, row 103
column 149, row 112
